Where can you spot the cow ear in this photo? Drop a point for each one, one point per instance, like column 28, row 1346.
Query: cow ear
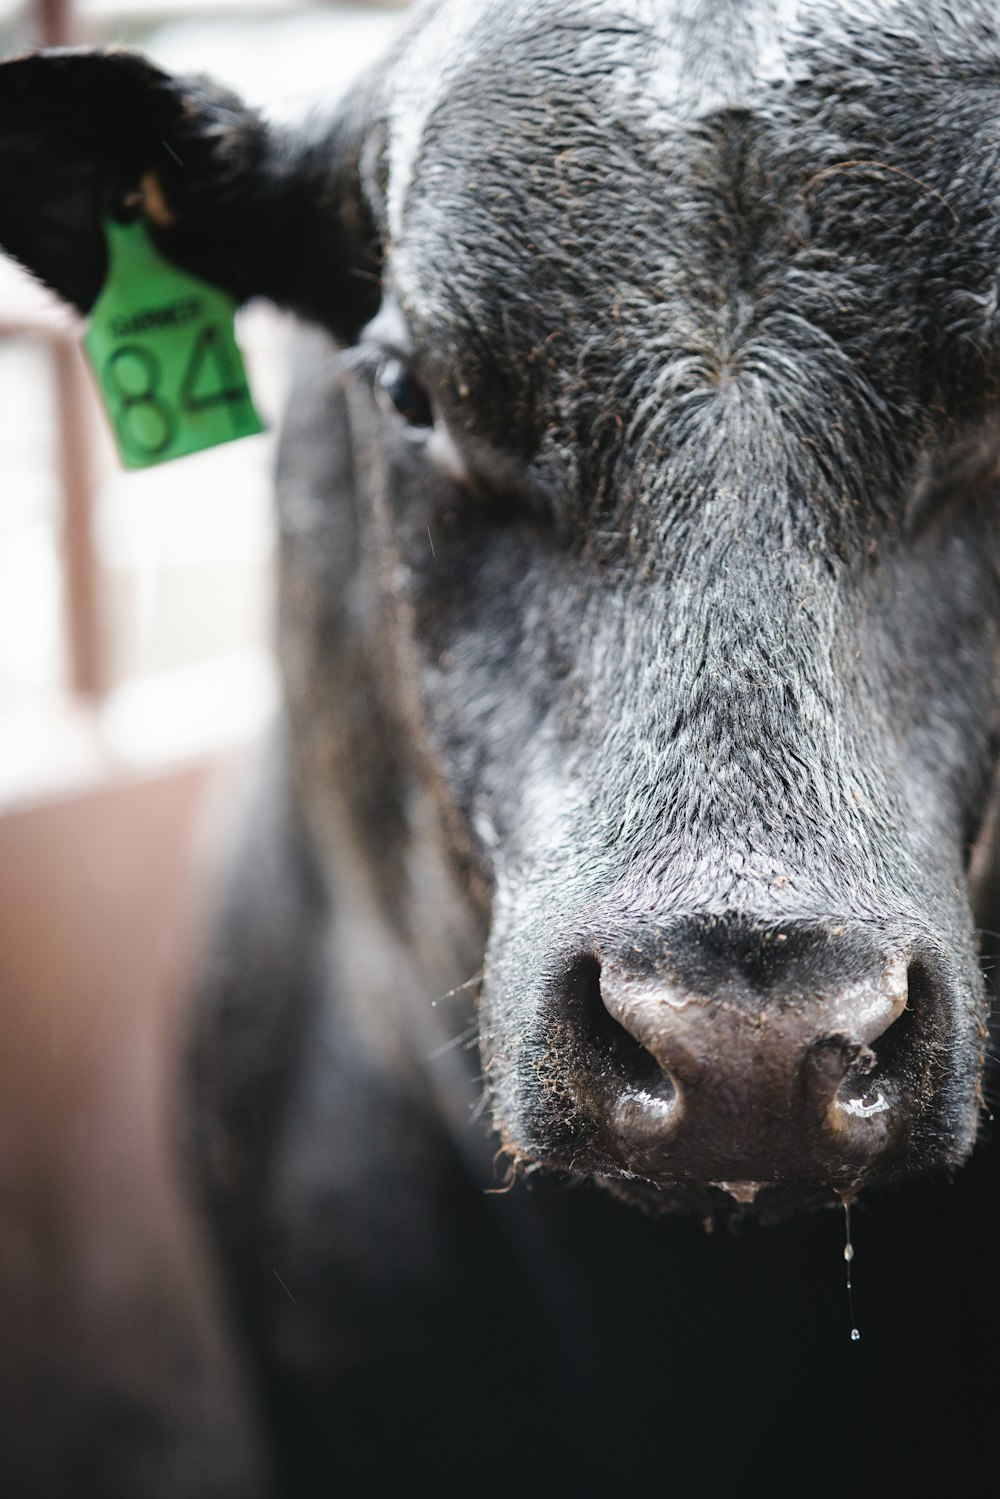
column 257, row 211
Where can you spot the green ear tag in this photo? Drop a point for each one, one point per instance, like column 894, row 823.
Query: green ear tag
column 161, row 345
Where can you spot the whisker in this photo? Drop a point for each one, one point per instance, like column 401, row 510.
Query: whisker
column 477, row 978
column 463, row 1037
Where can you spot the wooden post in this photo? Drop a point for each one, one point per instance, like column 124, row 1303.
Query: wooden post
column 82, row 604
column 53, row 27
column 53, row 22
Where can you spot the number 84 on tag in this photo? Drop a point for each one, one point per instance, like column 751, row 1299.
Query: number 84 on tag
column 161, row 345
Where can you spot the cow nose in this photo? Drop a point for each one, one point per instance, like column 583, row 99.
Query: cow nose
column 744, row 1085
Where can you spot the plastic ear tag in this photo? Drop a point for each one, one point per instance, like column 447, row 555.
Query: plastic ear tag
column 161, row 345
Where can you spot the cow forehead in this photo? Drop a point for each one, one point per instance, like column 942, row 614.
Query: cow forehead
column 575, row 169
column 671, row 59
column 706, row 53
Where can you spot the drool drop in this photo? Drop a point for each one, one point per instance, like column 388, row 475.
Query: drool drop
column 847, row 1198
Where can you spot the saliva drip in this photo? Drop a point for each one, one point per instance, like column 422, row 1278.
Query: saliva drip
column 847, row 1198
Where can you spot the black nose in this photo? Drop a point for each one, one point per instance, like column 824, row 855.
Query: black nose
column 756, row 1069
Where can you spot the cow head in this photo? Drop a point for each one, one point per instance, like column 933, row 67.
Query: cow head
column 674, row 444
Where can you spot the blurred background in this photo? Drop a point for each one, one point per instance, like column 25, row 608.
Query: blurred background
column 135, row 675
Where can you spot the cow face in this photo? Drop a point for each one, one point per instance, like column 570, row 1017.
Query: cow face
column 687, row 361
column 675, row 453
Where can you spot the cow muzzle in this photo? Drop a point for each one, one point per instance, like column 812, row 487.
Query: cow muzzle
column 787, row 1060
column 747, row 1094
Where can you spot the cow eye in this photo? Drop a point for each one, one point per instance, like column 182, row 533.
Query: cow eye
column 396, row 390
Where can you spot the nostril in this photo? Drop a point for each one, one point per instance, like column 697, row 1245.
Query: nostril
column 861, row 1095
column 894, row 1048
column 610, row 1050
column 872, row 1080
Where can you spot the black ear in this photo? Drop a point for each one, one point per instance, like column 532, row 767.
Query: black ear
column 258, row 211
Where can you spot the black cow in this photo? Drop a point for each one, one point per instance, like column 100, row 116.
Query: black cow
column 639, row 630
